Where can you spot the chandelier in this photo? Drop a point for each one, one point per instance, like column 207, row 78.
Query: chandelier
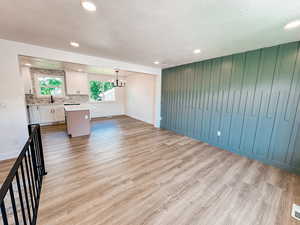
column 117, row 82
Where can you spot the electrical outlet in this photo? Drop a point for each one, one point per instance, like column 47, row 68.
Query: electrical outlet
column 296, row 212
column 219, row 133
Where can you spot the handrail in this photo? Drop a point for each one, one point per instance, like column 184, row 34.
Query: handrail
column 20, row 192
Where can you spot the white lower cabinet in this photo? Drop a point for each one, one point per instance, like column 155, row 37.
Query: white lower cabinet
column 45, row 114
column 34, row 114
column 59, row 113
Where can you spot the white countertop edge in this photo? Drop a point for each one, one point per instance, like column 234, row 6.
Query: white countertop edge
column 70, row 108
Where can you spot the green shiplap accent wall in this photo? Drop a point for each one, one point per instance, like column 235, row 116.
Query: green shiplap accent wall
column 252, row 98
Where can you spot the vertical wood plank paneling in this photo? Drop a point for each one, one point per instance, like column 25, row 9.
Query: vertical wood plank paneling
column 225, row 112
column 215, row 107
column 252, row 98
column 236, row 83
column 171, row 114
column 205, row 101
column 237, row 115
column 193, row 99
column 293, row 104
column 199, row 93
column 265, row 84
column 282, row 128
column 250, row 81
column 189, row 88
column 295, row 156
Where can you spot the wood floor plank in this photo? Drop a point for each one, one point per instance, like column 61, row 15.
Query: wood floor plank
column 130, row 173
column 5, row 166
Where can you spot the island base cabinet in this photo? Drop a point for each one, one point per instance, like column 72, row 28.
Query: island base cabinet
column 78, row 123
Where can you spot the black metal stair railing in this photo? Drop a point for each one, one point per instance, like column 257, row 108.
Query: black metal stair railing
column 20, row 192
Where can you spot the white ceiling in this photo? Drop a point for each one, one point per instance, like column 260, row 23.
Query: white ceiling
column 143, row 31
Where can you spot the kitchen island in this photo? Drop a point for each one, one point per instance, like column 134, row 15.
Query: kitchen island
column 78, row 120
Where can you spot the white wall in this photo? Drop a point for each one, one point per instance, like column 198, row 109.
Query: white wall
column 13, row 126
column 140, row 97
column 102, row 109
column 13, row 120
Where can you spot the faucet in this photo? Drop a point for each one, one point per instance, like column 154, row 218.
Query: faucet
column 51, row 99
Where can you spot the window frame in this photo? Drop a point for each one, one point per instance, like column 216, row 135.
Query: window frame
column 38, row 88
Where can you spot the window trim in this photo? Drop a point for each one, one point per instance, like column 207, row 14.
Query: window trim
column 37, row 85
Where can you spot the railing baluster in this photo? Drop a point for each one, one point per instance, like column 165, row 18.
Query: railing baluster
column 35, row 191
column 32, row 194
column 32, row 151
column 41, row 152
column 38, row 159
column 3, row 212
column 39, row 168
column 13, row 202
column 29, row 183
column 25, row 191
column 21, row 199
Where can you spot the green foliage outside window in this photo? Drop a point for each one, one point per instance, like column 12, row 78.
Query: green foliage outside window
column 98, row 88
column 50, row 86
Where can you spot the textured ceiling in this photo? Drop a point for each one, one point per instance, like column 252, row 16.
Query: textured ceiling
column 142, row 31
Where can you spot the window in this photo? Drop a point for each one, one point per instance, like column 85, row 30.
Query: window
column 47, row 85
column 101, row 91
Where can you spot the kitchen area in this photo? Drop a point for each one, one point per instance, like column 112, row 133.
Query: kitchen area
column 58, row 93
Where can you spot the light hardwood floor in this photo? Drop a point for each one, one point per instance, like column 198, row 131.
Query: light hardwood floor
column 5, row 166
column 130, row 173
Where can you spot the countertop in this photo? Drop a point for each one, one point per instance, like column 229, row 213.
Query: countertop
column 70, row 108
column 55, row 104
column 46, row 104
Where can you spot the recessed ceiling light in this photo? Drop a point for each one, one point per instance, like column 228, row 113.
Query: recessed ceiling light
column 293, row 24
column 79, row 70
column 88, row 5
column 27, row 64
column 197, row 51
column 156, row 62
column 74, row 44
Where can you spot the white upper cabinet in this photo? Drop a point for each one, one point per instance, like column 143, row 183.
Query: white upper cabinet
column 26, row 76
column 77, row 83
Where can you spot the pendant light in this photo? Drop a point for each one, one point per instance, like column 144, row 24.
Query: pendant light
column 117, row 82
